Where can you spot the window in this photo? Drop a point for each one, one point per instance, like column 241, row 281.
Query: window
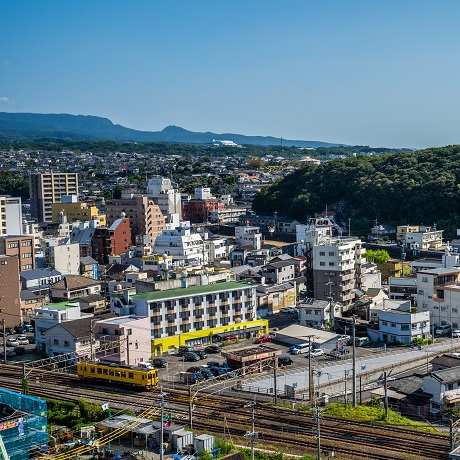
column 393, row 324
column 420, row 291
column 322, row 264
column 454, row 310
column 449, row 386
column 384, row 323
column 424, row 279
column 66, row 343
column 404, row 327
column 322, row 253
column 331, row 253
column 331, row 264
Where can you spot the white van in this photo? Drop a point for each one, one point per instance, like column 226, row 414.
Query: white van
column 441, row 330
column 300, row 348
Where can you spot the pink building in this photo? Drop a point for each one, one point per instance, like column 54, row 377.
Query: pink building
column 124, row 340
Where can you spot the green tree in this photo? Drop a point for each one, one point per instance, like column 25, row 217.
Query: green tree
column 379, row 256
column 255, row 163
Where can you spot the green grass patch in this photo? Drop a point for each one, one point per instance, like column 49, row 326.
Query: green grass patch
column 373, row 413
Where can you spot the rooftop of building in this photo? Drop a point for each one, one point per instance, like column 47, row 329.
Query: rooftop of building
column 192, row 290
column 121, row 320
column 440, row 271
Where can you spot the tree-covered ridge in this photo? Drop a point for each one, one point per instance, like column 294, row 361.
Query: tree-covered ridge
column 408, row 187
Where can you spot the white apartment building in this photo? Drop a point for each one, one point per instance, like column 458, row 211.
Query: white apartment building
column 424, row 239
column 402, row 325
column 337, row 268
column 215, row 249
column 167, row 198
column 189, row 309
column 438, row 291
column 10, row 216
column 248, row 236
column 203, row 193
column 65, row 258
column 184, row 247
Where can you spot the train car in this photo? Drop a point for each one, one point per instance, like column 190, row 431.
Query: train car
column 118, row 373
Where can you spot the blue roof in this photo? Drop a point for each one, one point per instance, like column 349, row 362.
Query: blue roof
column 39, row 273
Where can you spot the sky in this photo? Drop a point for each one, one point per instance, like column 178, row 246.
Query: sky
column 384, row 74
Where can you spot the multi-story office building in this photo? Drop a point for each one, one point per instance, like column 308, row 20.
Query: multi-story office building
column 194, row 310
column 48, row 188
column 21, row 246
column 145, row 217
column 77, row 211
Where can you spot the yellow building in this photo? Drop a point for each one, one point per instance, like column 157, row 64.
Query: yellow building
column 245, row 330
column 78, row 211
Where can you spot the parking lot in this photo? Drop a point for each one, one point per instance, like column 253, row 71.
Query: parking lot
column 17, row 344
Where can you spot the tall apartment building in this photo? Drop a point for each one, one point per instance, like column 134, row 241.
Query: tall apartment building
column 10, row 216
column 145, row 217
column 46, row 189
column 167, row 198
column 21, row 246
column 338, row 269
column 112, row 241
column 10, row 301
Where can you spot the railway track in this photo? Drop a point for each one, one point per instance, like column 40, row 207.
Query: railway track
column 283, row 429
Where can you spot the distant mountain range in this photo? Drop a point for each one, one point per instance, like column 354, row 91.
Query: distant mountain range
column 87, row 127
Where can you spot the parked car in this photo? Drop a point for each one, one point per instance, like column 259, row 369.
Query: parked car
column 191, row 356
column 194, row 369
column 263, row 339
column 12, row 343
column 32, row 339
column 231, row 338
column 456, row 333
column 159, row 362
column 22, row 339
column 182, row 350
column 284, row 360
column 207, row 373
column 20, row 351
column 290, row 310
column 218, row 372
column 444, row 329
column 316, row 352
column 212, row 349
column 213, row 364
column 340, row 353
column 201, row 354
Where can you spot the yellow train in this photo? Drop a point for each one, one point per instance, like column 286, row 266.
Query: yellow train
column 119, row 373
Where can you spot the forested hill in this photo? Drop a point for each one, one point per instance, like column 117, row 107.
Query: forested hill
column 408, row 187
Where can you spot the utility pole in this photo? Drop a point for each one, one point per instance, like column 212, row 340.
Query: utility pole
column 162, row 405
column 353, row 336
column 310, row 371
column 275, row 382
column 190, row 407
column 346, row 392
column 252, row 435
column 4, row 339
column 317, row 410
column 386, row 393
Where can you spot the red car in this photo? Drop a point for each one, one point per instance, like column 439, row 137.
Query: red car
column 263, row 339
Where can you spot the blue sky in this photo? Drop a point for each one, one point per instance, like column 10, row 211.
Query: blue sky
column 356, row 72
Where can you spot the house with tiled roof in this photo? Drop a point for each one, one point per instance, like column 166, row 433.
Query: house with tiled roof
column 71, row 287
